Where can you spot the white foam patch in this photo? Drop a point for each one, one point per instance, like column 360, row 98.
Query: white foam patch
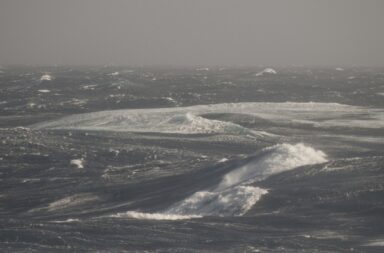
column 223, row 160
column 66, row 221
column 153, row 216
column 334, row 166
column 44, row 91
column 190, row 123
column 72, row 201
column 234, row 201
column 267, row 71
column 78, row 163
column 46, row 77
column 170, row 99
column 234, row 196
column 376, row 243
column 88, row 87
column 280, row 158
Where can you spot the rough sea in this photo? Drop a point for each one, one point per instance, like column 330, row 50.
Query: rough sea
column 161, row 159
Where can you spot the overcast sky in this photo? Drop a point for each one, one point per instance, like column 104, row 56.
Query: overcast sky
column 192, row 32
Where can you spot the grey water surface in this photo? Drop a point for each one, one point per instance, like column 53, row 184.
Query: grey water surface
column 120, row 159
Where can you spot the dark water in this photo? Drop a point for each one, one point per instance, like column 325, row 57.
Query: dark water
column 113, row 159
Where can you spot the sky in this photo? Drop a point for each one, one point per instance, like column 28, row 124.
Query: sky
column 192, row 32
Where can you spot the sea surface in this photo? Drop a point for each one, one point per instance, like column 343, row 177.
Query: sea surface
column 162, row 159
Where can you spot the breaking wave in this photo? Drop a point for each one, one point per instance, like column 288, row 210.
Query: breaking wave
column 278, row 158
column 190, row 123
column 190, row 120
column 235, row 194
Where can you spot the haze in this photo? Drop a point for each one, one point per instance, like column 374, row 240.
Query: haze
column 197, row 32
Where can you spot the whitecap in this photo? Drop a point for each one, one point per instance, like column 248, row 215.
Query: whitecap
column 78, row 163
column 46, row 77
column 153, row 216
column 66, row 221
column 234, row 196
column 234, row 201
column 269, row 71
column 223, row 160
column 44, row 91
column 279, row 158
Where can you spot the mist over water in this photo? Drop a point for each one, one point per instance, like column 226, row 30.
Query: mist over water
column 205, row 33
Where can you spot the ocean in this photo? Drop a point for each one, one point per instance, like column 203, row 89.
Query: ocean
column 163, row 159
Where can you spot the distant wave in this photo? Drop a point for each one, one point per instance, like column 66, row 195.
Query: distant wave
column 46, row 77
column 188, row 120
column 235, row 195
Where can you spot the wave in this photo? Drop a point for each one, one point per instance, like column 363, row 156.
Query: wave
column 233, row 201
column 235, row 194
column 167, row 121
column 276, row 159
column 194, row 119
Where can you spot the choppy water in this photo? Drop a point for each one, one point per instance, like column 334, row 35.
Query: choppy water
column 113, row 159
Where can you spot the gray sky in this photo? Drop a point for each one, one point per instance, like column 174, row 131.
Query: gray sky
column 192, row 32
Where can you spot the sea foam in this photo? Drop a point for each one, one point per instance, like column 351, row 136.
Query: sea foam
column 278, row 158
column 235, row 195
column 153, row 216
column 46, row 77
column 188, row 120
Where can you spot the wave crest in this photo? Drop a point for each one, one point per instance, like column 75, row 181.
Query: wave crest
column 276, row 159
column 187, row 120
